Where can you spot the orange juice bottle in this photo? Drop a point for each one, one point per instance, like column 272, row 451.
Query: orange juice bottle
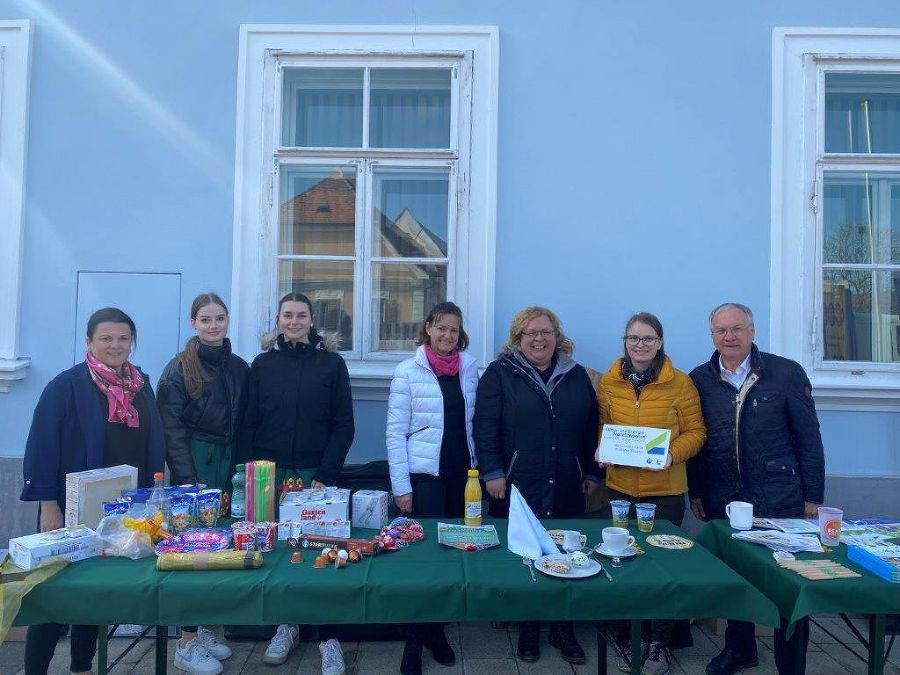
column 472, row 515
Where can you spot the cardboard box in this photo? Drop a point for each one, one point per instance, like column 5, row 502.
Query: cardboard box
column 370, row 508
column 87, row 490
column 70, row 543
column 304, row 505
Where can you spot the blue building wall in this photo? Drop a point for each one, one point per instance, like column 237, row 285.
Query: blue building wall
column 634, row 168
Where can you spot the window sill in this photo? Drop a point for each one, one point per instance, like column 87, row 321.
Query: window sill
column 371, row 381
column 833, row 394
column 12, row 371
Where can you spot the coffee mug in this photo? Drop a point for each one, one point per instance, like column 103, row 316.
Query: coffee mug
column 616, row 539
column 740, row 515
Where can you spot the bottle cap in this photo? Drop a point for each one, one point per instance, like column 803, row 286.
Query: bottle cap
column 159, row 475
column 473, row 473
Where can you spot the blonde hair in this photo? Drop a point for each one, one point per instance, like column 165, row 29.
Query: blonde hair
column 526, row 316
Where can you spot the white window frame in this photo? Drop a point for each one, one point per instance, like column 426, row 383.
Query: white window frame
column 800, row 57
column 470, row 281
column 15, row 77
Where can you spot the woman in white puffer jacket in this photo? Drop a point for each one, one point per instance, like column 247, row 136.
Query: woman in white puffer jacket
column 429, row 443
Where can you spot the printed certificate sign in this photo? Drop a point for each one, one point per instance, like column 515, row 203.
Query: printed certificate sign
column 644, row 447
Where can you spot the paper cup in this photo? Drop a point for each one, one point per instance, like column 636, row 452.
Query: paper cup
column 620, row 509
column 830, row 525
column 645, row 515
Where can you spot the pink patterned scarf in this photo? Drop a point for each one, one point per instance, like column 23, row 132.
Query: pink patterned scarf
column 442, row 365
column 120, row 391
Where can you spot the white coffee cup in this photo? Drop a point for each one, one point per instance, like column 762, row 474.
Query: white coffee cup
column 616, row 539
column 740, row 515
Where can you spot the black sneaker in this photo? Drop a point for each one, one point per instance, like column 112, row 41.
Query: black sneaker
column 728, row 662
column 529, row 647
column 439, row 647
column 562, row 636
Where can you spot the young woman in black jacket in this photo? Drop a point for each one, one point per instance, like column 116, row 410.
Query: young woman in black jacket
column 201, row 396
column 299, row 415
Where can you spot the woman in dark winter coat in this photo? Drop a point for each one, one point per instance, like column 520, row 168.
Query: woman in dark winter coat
column 299, row 415
column 99, row 413
column 536, row 427
column 201, row 395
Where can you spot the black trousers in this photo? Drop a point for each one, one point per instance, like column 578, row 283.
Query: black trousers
column 435, row 497
column 668, row 507
column 40, row 643
column 790, row 654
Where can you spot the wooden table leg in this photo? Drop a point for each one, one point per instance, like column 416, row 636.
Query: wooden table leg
column 876, row 644
column 102, row 649
column 162, row 649
column 636, row 647
column 601, row 650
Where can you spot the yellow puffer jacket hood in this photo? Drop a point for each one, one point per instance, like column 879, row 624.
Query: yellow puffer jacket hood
column 671, row 402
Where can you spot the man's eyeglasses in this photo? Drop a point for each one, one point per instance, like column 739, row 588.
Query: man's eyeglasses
column 531, row 334
column 734, row 330
column 635, row 340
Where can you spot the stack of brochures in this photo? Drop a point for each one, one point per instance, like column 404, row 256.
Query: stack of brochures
column 781, row 541
column 882, row 560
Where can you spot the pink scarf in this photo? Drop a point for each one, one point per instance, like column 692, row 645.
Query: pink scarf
column 120, row 391
column 442, row 365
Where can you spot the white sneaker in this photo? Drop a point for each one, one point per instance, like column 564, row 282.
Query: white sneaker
column 194, row 658
column 208, row 639
column 281, row 645
column 332, row 657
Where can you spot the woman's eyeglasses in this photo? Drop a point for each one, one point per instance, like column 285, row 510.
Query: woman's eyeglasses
column 635, row 340
column 531, row 334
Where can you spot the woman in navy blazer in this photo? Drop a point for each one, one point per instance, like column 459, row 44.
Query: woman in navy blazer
column 99, row 413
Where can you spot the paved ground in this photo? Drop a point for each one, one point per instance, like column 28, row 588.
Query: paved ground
column 483, row 650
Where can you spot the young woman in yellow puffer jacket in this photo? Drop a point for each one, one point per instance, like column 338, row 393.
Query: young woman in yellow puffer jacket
column 643, row 389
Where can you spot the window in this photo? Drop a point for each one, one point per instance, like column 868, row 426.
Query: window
column 836, row 212
column 15, row 72
column 366, row 180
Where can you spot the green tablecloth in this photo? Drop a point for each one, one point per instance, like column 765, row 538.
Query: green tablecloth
column 795, row 596
column 423, row 582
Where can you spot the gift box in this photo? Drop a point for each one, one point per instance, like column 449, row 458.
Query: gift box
column 87, row 490
column 70, row 543
column 370, row 508
column 315, row 504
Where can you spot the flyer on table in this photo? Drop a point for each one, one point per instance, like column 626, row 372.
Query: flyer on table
column 634, row 446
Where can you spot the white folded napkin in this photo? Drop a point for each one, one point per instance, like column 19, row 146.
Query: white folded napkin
column 525, row 534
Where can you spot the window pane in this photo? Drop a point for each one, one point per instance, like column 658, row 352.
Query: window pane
column 409, row 108
column 862, row 112
column 317, row 211
column 410, row 213
column 861, row 316
column 402, row 295
column 861, row 218
column 329, row 286
column 322, row 107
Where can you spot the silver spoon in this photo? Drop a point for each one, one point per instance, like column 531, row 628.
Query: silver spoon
column 529, row 563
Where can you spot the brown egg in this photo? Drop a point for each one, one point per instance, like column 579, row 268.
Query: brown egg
column 296, row 557
column 320, row 562
column 353, row 556
column 332, row 554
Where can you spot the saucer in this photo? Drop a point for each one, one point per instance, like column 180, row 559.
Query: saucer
column 627, row 552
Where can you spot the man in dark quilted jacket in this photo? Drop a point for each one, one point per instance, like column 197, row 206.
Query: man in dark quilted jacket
column 763, row 446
